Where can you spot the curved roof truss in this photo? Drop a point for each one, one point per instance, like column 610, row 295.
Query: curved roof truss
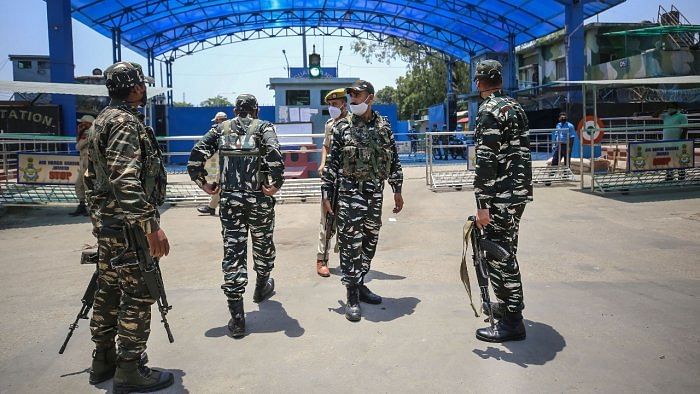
column 169, row 29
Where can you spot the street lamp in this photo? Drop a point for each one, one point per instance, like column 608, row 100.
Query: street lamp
column 289, row 72
column 337, row 74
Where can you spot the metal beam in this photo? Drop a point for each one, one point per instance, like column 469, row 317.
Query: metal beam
column 60, row 28
column 575, row 58
column 116, row 45
column 169, row 80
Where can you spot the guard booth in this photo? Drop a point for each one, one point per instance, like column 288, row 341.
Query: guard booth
column 629, row 153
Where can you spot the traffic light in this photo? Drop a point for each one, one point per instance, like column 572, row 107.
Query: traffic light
column 315, row 65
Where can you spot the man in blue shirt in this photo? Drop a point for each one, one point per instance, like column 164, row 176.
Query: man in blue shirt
column 562, row 139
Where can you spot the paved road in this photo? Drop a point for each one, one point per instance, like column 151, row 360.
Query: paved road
column 611, row 288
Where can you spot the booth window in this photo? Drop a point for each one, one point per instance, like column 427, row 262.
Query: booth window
column 298, row 97
column 561, row 69
column 24, row 64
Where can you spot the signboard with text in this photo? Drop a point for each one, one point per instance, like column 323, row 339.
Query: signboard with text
column 45, row 168
column 660, row 155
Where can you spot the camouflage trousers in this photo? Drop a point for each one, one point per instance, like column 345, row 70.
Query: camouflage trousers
column 241, row 211
column 359, row 221
column 122, row 305
column 505, row 276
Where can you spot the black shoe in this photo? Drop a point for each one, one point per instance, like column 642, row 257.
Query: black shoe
column 104, row 364
column 237, row 323
column 80, row 210
column 133, row 377
column 352, row 306
column 367, row 296
column 497, row 307
column 264, row 287
column 510, row 328
column 206, row 209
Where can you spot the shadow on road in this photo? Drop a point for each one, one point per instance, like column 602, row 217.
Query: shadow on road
column 371, row 275
column 541, row 346
column 270, row 317
column 390, row 309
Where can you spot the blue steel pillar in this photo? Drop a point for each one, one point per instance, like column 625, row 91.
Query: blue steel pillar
column 169, row 80
column 449, row 92
column 116, row 45
column 58, row 17
column 511, row 81
column 575, row 58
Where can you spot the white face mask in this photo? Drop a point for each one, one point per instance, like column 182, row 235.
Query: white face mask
column 335, row 112
column 359, row 109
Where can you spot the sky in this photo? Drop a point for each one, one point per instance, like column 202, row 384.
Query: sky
column 244, row 67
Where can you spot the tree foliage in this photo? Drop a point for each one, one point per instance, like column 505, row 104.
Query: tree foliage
column 218, row 101
column 425, row 82
column 182, row 104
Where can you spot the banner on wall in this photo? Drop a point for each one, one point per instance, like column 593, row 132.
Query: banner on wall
column 660, row 155
column 51, row 169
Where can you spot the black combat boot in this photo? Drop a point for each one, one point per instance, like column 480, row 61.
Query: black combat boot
column 367, row 296
column 206, row 209
column 509, row 328
column 81, row 209
column 132, row 377
column 352, row 306
column 104, row 363
column 237, row 323
column 264, row 286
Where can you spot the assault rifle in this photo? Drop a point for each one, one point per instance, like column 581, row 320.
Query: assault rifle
column 150, row 270
column 330, row 225
column 480, row 247
column 87, row 257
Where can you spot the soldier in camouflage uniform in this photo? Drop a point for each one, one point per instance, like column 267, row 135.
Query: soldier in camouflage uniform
column 502, row 186
column 125, row 183
column 338, row 109
column 251, row 171
column 363, row 155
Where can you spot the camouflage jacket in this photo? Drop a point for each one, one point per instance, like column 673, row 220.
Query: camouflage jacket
column 343, row 133
column 503, row 164
column 239, row 173
column 125, row 179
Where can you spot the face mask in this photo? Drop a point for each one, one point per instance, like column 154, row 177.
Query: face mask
column 334, row 112
column 359, row 109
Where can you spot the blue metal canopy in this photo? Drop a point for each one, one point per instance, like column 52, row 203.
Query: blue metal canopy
column 173, row 28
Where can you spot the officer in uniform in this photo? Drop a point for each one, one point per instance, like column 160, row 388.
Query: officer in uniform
column 251, row 172
column 338, row 109
column 502, row 186
column 125, row 183
column 363, row 155
column 214, row 201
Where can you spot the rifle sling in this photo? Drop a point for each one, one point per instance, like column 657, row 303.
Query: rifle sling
column 463, row 271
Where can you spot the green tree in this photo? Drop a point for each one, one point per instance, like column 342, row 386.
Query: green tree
column 218, row 101
column 385, row 95
column 182, row 104
column 425, row 82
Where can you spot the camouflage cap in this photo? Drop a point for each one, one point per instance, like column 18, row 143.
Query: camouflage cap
column 488, row 69
column 124, row 75
column 361, row 86
column 335, row 94
column 246, row 102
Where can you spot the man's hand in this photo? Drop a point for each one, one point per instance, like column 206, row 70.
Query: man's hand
column 398, row 202
column 158, row 244
column 211, row 188
column 327, row 208
column 483, row 218
column 269, row 190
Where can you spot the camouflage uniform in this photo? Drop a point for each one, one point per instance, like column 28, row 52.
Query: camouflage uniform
column 125, row 182
column 503, row 184
column 328, row 138
column 359, row 201
column 243, row 205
